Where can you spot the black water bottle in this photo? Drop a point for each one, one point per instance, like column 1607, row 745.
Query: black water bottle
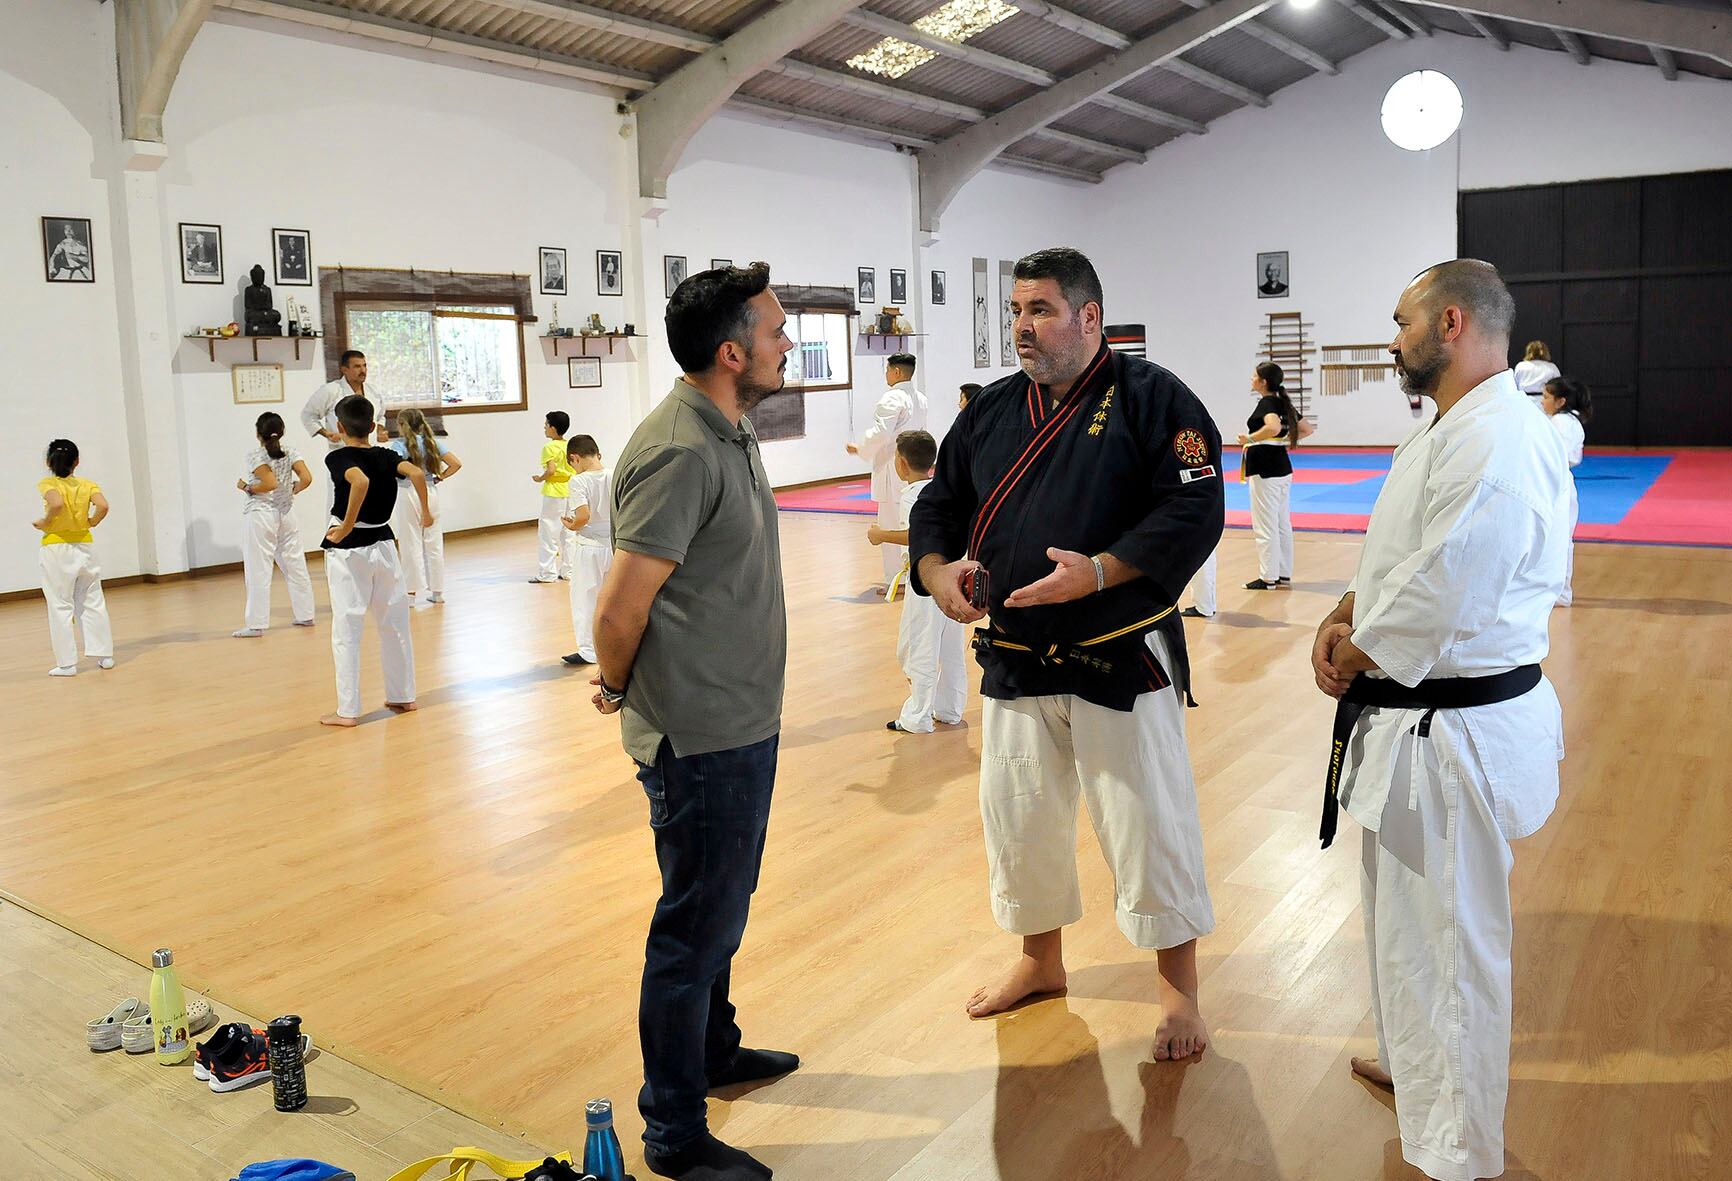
column 288, row 1072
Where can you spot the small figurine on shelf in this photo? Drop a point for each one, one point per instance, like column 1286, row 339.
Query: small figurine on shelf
column 595, row 328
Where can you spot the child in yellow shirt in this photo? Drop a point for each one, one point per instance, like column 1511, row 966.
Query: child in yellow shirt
column 554, row 478
column 71, row 579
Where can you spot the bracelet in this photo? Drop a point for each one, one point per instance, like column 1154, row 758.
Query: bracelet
column 1100, row 575
column 610, row 695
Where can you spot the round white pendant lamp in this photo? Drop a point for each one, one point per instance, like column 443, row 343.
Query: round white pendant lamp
column 1421, row 110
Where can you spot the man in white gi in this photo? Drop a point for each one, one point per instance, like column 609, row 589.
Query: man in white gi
column 319, row 415
column 1448, row 737
column 902, row 408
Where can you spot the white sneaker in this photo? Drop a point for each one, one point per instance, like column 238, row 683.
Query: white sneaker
column 436, row 597
column 303, row 623
column 105, row 662
column 247, row 633
column 69, row 670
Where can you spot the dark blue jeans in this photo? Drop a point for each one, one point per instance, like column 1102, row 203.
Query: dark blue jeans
column 709, row 813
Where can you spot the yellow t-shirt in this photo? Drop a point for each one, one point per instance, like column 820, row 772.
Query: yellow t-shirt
column 554, row 452
column 72, row 523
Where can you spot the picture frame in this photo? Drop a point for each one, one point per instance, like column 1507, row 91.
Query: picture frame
column 551, row 268
column 67, row 252
column 938, row 285
column 293, row 251
column 256, row 385
column 673, row 272
column 720, row 264
column 899, row 288
column 201, row 252
column 583, row 373
column 866, row 279
column 609, row 273
column 1274, row 276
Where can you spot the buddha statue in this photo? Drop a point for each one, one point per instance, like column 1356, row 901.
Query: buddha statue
column 262, row 319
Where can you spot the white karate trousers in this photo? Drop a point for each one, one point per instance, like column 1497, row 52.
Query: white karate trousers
column 890, row 517
column 363, row 582
column 1202, row 587
column 274, row 540
column 550, row 531
column 422, row 550
column 589, row 569
column 1435, row 883
column 1568, row 595
column 72, row 585
column 1272, row 525
column 932, row 650
column 1134, row 770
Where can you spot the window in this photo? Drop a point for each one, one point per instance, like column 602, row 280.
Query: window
column 823, row 356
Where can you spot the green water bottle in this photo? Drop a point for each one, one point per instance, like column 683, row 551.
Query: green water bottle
column 168, row 1010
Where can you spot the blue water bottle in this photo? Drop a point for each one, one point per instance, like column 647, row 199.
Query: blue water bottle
column 602, row 1158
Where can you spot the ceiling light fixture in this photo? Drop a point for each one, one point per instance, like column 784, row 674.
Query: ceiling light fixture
column 1421, row 110
column 1304, row 3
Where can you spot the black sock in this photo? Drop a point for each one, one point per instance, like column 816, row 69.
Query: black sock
column 706, row 1159
column 750, row 1066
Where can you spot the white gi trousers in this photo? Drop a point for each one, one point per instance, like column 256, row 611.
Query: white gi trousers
column 1272, row 524
column 1202, row 587
column 550, row 530
column 890, row 517
column 1134, row 771
column 931, row 648
column 422, row 550
column 590, row 564
column 274, row 540
column 369, row 581
column 1568, row 595
column 72, row 586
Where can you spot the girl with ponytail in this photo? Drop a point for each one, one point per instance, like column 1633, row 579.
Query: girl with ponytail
column 71, row 579
column 1569, row 405
column 275, row 476
column 422, row 549
column 1273, row 428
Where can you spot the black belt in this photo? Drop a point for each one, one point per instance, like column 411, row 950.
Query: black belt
column 1431, row 696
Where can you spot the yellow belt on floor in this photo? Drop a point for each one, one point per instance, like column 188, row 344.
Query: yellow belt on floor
column 462, row 1160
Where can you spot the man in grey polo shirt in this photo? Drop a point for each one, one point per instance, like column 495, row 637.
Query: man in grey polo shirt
column 691, row 646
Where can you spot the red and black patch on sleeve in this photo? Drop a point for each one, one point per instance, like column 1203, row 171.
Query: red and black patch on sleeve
column 1191, row 448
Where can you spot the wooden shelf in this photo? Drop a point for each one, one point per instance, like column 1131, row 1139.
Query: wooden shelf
column 213, row 340
column 869, row 337
column 610, row 337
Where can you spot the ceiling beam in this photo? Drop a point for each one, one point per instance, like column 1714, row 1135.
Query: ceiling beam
column 1290, row 47
column 1488, row 29
column 587, row 16
column 1099, row 148
column 878, row 90
column 945, row 168
column 1573, row 46
column 1080, row 25
column 1670, row 26
column 1408, row 17
column 152, row 37
column 1136, row 110
column 885, row 27
column 673, row 110
column 1376, row 20
column 1666, row 60
column 1215, row 82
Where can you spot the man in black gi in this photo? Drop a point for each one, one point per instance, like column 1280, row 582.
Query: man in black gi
column 1080, row 495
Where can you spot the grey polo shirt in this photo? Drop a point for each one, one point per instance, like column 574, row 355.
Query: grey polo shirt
column 690, row 487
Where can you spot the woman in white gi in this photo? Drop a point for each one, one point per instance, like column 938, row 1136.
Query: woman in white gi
column 1273, row 428
column 1569, row 406
column 275, row 476
column 1448, row 737
column 1535, row 370
column 71, row 579
column 421, row 548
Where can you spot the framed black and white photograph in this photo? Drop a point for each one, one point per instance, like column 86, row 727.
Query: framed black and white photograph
column 201, row 253
column 721, row 264
column 553, row 270
column 899, row 288
column 608, row 280
column 66, row 250
column 584, row 373
column 868, row 282
column 294, row 254
column 937, row 287
column 1273, row 277
column 673, row 271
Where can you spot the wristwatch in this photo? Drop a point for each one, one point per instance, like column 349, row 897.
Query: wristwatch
column 609, row 695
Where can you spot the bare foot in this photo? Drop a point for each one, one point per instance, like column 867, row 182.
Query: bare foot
column 1182, row 1032
column 1027, row 977
column 1372, row 1070
column 401, row 707
column 338, row 720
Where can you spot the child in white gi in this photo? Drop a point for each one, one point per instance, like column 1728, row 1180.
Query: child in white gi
column 589, row 522
column 275, row 476
column 929, row 645
column 1569, row 405
column 361, row 562
column 71, row 579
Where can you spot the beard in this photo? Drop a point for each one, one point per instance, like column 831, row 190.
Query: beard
column 1055, row 363
column 752, row 388
column 1420, row 369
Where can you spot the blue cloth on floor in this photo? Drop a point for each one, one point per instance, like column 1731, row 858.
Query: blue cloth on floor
column 294, row 1170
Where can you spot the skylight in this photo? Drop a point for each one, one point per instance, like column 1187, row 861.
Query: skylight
column 955, row 21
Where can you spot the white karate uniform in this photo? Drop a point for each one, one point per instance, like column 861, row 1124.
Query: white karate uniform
column 1462, row 561
column 1134, row 771
column 592, row 552
column 902, row 408
column 321, row 408
column 369, row 581
column 932, row 649
column 420, row 548
column 1531, row 378
column 72, row 586
column 1570, row 433
column 1202, row 587
column 272, row 541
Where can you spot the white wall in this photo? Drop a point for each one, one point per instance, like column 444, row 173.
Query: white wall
column 1176, row 239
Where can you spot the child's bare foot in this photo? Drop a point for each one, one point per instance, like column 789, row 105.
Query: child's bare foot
column 1181, row 1032
column 1027, row 977
column 1371, row 1070
column 338, row 720
column 400, row 707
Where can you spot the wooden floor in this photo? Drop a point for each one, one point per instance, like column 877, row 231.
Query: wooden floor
column 457, row 898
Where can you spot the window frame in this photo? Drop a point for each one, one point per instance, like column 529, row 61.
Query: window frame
column 847, row 318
